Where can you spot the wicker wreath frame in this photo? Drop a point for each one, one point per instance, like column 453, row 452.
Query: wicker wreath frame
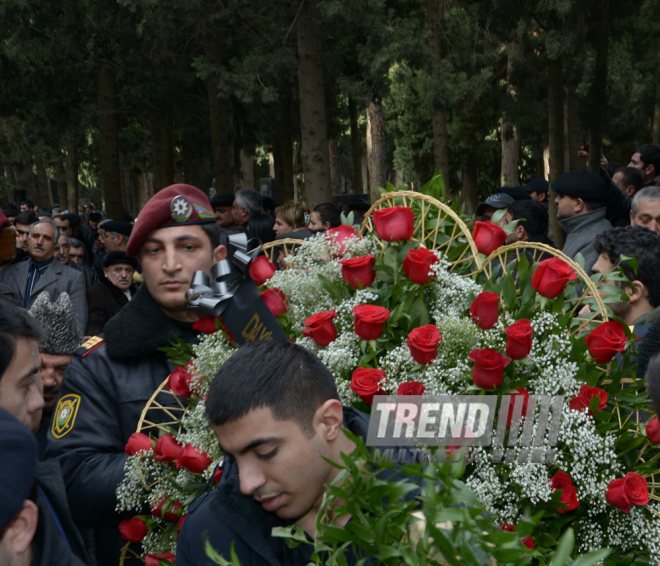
column 428, row 237
column 287, row 244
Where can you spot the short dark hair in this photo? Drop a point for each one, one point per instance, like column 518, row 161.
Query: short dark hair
column 27, row 218
column 328, row 213
column 592, row 205
column 534, row 214
column 28, row 202
column 639, row 243
column 284, row 377
column 631, row 176
column 211, row 229
column 652, row 377
column 14, row 323
column 261, row 227
column 268, row 204
column 649, row 154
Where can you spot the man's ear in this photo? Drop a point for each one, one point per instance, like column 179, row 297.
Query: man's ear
column 328, row 419
column 631, row 217
column 630, row 191
column 578, row 206
column 20, row 532
column 219, row 253
column 638, row 290
column 105, row 272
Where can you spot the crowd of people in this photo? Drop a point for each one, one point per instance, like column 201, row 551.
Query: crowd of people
column 87, row 303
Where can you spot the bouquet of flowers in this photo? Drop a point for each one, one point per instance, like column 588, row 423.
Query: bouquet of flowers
column 387, row 314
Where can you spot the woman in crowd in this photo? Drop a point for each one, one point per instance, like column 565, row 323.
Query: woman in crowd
column 324, row 216
column 290, row 218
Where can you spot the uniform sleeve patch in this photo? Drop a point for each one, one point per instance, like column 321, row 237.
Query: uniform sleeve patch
column 65, row 415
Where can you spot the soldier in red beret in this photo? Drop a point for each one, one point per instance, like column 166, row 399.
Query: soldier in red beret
column 112, row 376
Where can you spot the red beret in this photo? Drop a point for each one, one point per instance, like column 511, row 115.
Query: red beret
column 176, row 205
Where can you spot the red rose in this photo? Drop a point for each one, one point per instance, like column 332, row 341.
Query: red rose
column 167, row 449
column 206, row 325
column 561, row 480
column 138, row 442
column 369, row 321
column 153, row 559
column 653, row 431
column 488, row 370
column 519, row 339
column 395, row 223
column 417, row 265
column 510, row 528
column 585, row 396
column 174, row 513
column 340, row 235
column 527, row 541
column 275, row 301
column 488, row 237
column 625, row 492
column 157, row 507
column 411, row 388
column 423, row 343
column 133, row 530
column 367, row 382
column 217, row 475
column 605, row 341
column 261, row 269
column 179, row 382
column 359, row 272
column 320, row 328
column 518, row 391
column 551, row 276
column 193, row 460
column 484, row 310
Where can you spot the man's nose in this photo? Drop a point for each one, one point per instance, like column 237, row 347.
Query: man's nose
column 250, row 479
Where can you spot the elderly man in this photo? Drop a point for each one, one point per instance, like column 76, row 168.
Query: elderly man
column 42, row 272
column 65, row 259
column 112, row 292
column 76, row 251
column 222, row 207
column 247, row 203
column 645, row 209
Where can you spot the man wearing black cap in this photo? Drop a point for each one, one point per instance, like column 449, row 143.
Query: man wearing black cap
column 82, row 232
column 537, row 188
column 112, row 292
column 111, row 378
column 222, row 205
column 498, row 201
column 581, row 212
column 113, row 237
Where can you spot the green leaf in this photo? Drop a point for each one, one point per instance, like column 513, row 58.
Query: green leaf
column 509, row 292
column 564, row 549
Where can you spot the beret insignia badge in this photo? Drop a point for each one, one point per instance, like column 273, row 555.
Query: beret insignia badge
column 181, row 208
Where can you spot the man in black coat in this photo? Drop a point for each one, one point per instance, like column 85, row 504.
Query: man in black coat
column 112, row 293
column 111, row 378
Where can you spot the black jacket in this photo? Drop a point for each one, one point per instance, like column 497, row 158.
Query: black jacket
column 90, row 275
column 108, row 385
column 104, row 301
column 226, row 516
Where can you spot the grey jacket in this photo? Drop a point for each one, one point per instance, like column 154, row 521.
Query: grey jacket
column 581, row 231
column 57, row 279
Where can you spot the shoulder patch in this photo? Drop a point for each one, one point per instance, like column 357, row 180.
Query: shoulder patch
column 93, row 341
column 65, row 415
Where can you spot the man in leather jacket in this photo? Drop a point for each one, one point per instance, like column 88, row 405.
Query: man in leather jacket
column 111, row 377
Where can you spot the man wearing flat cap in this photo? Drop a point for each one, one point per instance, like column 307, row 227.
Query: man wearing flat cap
column 498, row 201
column 111, row 377
column 581, row 212
column 222, row 205
column 112, row 292
column 537, row 189
column 113, row 237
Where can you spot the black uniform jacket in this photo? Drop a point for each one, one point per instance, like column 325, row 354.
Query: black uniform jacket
column 104, row 301
column 103, row 392
column 225, row 516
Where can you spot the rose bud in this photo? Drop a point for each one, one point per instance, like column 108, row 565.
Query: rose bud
column 519, row 339
column 217, row 475
column 484, row 310
column 411, row 388
column 138, row 442
column 488, row 370
column 417, row 265
column 367, row 382
column 154, row 559
column 395, row 223
column 261, row 269
column 133, row 530
column 507, row 527
column 206, row 325
column 551, row 277
column 171, row 515
column 561, row 480
column 625, row 492
column 359, row 272
column 528, row 542
column 275, row 301
column 320, row 328
column 157, row 507
column 179, row 382
column 193, row 460
column 512, row 402
column 586, row 394
column 653, row 431
column 340, row 236
column 167, row 449
column 369, row 321
column 423, row 343
column 488, row 237
column 605, row 341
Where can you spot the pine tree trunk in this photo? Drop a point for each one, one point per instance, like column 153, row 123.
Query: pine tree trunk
column 376, row 148
column 436, row 16
column 168, row 151
column 25, row 181
column 356, row 147
column 278, row 169
column 556, row 139
column 109, row 134
column 335, row 177
column 286, row 148
column 469, row 193
column 574, row 129
column 44, row 195
column 509, row 131
column 247, row 169
column 313, row 120
column 656, row 115
column 157, row 150
column 189, row 157
column 72, row 177
column 62, row 193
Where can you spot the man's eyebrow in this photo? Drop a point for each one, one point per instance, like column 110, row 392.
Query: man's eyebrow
column 187, row 237
column 258, row 442
column 29, row 374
